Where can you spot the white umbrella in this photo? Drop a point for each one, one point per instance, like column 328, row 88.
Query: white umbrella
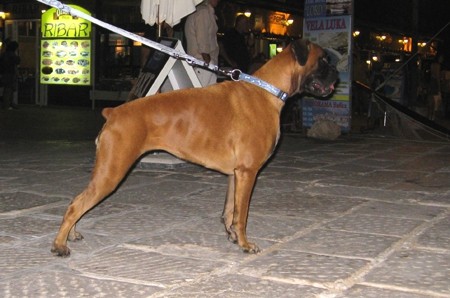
column 169, row 11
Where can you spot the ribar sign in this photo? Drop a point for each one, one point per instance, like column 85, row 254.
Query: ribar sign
column 57, row 24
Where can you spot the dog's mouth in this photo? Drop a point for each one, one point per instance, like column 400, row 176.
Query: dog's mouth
column 322, row 84
column 316, row 88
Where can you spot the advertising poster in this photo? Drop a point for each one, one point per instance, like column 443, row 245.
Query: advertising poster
column 65, row 48
column 329, row 24
column 394, row 82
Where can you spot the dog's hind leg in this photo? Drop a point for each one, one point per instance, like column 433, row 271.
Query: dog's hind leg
column 244, row 182
column 228, row 210
column 110, row 168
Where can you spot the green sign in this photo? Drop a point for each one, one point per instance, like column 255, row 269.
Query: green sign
column 65, row 48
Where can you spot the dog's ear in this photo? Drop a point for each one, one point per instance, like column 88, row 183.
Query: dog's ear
column 301, row 50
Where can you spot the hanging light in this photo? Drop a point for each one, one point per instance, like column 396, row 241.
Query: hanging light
column 2, row 12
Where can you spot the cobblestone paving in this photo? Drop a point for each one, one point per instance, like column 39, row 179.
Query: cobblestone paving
column 359, row 217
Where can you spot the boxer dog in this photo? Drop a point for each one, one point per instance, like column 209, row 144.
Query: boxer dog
column 232, row 127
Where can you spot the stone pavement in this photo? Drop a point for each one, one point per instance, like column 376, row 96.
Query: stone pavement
column 363, row 216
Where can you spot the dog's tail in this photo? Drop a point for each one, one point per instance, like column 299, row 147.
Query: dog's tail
column 106, row 112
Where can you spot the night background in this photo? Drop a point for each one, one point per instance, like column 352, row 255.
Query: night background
column 398, row 16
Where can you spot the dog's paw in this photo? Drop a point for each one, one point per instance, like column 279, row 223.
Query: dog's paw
column 232, row 237
column 61, row 251
column 251, row 248
column 76, row 236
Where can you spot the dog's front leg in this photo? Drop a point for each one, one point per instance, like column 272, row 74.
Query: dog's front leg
column 244, row 182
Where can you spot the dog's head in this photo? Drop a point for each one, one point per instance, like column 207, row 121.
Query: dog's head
column 319, row 76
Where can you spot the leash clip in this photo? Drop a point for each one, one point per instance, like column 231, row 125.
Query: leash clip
column 235, row 74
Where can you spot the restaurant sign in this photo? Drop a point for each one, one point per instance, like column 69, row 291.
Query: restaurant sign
column 65, row 48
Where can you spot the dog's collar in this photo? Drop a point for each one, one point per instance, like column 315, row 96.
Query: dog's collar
column 237, row 75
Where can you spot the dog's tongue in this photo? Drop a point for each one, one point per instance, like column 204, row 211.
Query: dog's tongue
column 331, row 87
column 320, row 87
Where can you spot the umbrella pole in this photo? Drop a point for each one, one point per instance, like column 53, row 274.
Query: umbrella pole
column 159, row 23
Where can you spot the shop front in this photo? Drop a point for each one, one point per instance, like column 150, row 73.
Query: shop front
column 62, row 65
column 25, row 32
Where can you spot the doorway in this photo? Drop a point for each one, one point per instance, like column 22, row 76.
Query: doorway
column 26, row 33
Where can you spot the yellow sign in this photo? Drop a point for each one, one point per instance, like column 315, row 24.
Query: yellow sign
column 65, row 48
column 57, row 24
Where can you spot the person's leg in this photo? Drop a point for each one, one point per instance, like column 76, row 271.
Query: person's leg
column 8, row 94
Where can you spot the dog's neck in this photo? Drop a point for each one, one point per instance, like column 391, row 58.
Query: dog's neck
column 286, row 80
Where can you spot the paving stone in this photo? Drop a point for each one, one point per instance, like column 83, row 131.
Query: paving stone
column 192, row 173
column 413, row 269
column 437, row 182
column 255, row 231
column 297, row 163
column 143, row 266
column 313, row 175
column 374, row 225
column 51, row 283
column 394, row 156
column 27, row 227
column 290, row 174
column 274, row 228
column 351, row 167
column 270, row 187
column 21, row 257
column 21, row 201
column 408, row 211
column 374, row 179
column 292, row 266
column 138, row 178
column 426, row 162
column 338, row 187
column 303, row 205
column 191, row 244
column 6, row 240
column 70, row 182
column 436, row 198
column 135, row 224
column 438, row 236
column 369, row 292
column 339, row 243
column 160, row 189
column 241, row 286
column 7, row 181
column 107, row 208
column 262, row 229
column 368, row 160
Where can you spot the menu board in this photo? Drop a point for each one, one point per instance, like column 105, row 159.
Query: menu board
column 66, row 61
column 65, row 48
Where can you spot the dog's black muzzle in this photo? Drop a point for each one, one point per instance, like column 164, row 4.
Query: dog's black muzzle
column 321, row 82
